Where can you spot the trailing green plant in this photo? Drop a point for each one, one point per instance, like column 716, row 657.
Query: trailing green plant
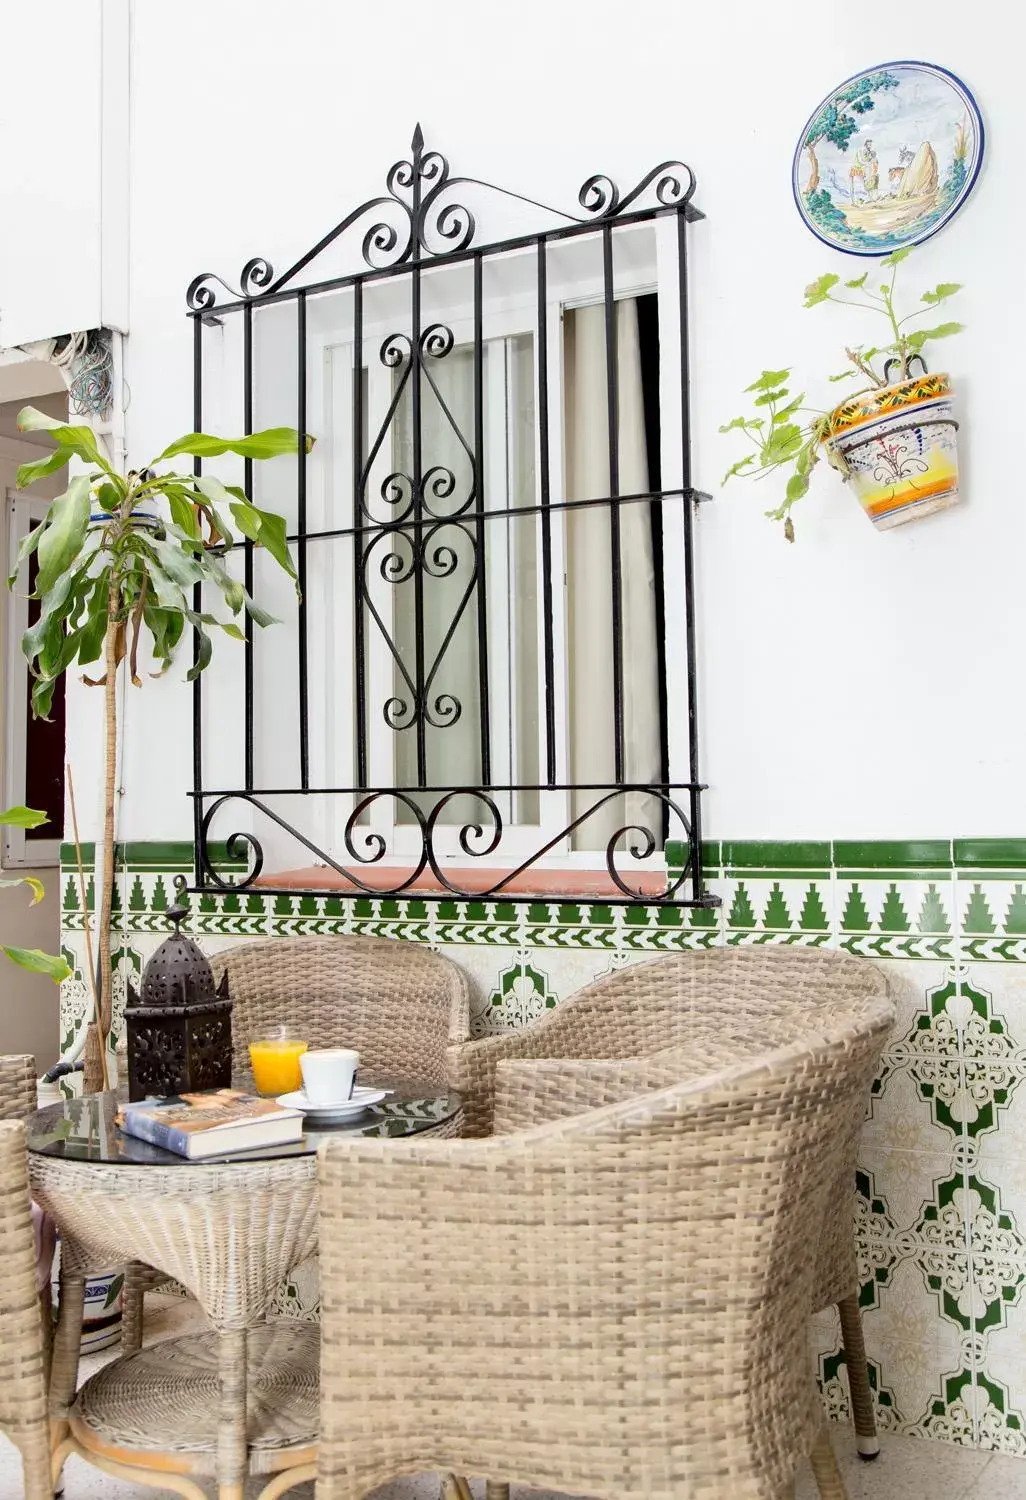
column 33, row 959
column 788, row 436
column 119, row 558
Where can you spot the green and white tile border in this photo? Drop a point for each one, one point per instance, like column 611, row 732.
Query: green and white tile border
column 943, row 1169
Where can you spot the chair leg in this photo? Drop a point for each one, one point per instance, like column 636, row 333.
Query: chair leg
column 824, row 1468
column 862, row 1407
column 132, row 1305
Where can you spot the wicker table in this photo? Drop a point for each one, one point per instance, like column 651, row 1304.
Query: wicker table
column 243, row 1398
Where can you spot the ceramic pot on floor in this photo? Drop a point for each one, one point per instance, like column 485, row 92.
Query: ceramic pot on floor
column 896, row 446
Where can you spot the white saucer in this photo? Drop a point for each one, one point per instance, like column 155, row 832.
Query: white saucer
column 333, row 1114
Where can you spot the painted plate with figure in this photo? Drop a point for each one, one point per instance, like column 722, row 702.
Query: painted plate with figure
column 888, row 158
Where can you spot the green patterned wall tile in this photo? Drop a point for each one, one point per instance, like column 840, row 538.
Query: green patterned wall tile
column 855, row 915
column 1015, row 914
column 976, row 916
column 744, row 854
column 776, row 914
column 892, row 854
column 892, row 915
column 933, row 916
column 1002, row 854
column 813, row 916
column 741, row 913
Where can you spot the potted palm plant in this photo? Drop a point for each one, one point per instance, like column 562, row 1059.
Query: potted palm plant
column 119, row 557
column 893, row 440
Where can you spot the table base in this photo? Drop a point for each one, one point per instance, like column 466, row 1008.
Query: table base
column 166, row 1417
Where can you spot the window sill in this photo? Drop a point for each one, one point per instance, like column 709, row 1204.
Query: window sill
column 472, row 880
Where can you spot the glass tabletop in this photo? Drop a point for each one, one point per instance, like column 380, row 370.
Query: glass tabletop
column 85, row 1130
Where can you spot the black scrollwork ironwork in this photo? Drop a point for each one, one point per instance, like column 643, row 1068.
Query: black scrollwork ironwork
column 418, row 218
column 479, row 838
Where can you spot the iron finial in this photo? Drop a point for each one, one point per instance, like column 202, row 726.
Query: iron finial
column 417, row 144
column 180, row 910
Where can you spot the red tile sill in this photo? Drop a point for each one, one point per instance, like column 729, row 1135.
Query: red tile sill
column 473, row 878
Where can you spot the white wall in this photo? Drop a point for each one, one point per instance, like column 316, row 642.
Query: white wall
column 63, row 144
column 853, row 684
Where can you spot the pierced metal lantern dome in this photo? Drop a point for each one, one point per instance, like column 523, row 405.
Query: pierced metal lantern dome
column 179, row 1026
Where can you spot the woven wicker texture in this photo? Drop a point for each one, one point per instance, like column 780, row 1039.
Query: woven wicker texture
column 228, row 1233
column 691, row 1011
column 23, row 1411
column 632, row 1301
column 166, row 1399
column 397, row 1003
column 17, row 1087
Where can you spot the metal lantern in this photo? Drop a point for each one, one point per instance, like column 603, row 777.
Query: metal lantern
column 179, row 1026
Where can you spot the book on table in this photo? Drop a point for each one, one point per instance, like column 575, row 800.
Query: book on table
column 213, row 1123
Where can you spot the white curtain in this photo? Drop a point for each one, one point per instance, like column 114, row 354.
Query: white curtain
column 589, row 585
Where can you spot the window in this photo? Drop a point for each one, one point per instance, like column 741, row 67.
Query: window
column 491, row 563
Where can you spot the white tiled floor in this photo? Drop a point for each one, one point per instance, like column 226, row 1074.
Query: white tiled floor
column 907, row 1469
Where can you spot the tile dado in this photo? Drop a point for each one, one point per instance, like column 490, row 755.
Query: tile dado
column 942, row 1180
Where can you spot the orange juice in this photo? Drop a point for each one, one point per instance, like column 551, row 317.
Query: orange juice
column 275, row 1065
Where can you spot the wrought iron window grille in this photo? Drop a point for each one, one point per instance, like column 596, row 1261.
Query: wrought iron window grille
column 415, row 227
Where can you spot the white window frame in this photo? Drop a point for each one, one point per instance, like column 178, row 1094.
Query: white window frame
column 329, row 412
column 23, row 512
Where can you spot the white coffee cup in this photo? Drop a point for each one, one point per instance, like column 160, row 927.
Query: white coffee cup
column 329, row 1076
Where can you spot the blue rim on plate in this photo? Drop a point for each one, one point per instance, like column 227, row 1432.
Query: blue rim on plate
column 829, row 223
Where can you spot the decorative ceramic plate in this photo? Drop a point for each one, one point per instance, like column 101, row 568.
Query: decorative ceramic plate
column 333, row 1114
column 887, row 158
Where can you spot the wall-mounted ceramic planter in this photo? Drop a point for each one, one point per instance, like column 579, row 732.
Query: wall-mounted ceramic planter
column 897, row 448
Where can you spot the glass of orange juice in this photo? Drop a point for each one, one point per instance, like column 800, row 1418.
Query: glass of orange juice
column 274, row 1056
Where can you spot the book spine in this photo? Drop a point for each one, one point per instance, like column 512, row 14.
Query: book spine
column 146, row 1128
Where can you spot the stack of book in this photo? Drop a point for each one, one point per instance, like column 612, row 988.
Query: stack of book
column 215, row 1123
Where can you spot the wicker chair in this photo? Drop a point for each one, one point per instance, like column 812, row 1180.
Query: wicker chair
column 23, row 1348
column 630, row 1316
column 399, row 1004
column 719, row 1005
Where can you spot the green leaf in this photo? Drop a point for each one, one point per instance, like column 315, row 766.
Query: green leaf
column 858, row 283
column 66, row 524
column 924, row 335
column 771, row 396
column 782, row 444
column 768, row 380
column 941, row 292
column 205, row 651
column 844, row 375
column 897, row 256
column 267, row 529
column 42, row 697
column 797, row 486
column 37, row 962
column 78, row 440
column 183, row 512
column 180, row 565
column 270, row 443
column 22, row 817
column 819, row 291
column 742, row 463
column 26, row 547
column 736, row 422
column 36, row 887
column 91, row 636
column 786, row 412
